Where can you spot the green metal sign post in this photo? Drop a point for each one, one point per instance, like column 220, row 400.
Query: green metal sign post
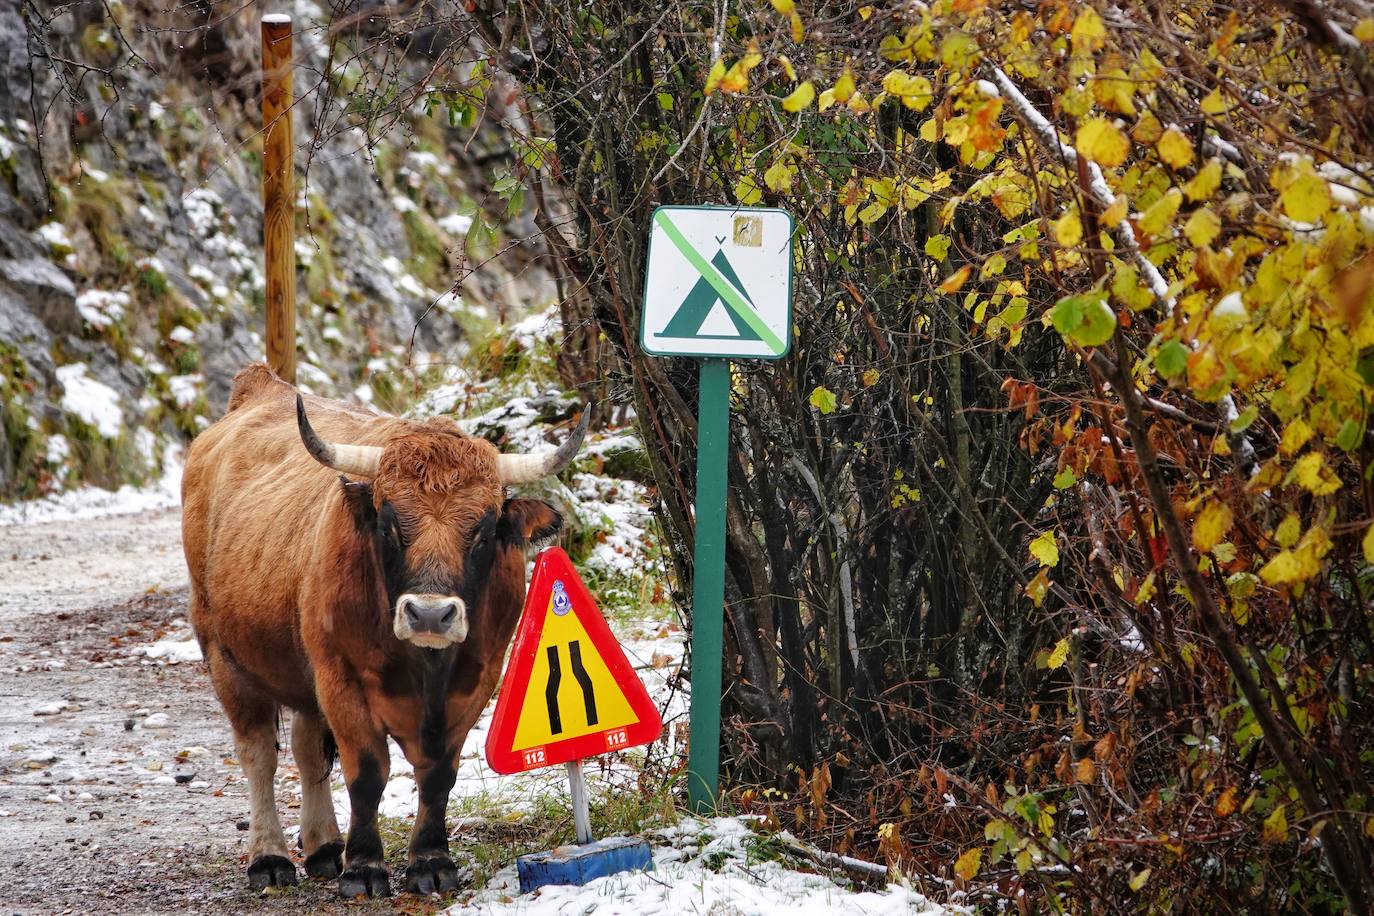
column 708, row 583
column 718, row 287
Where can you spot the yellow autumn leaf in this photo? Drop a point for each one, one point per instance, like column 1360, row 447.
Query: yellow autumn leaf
column 779, row 175
column 915, row 91
column 1286, row 534
column 1058, row 655
column 1088, row 33
column 1037, row 588
column 800, row 98
column 1044, row 549
column 1175, row 149
column 784, row 6
column 1085, row 770
column 1306, row 199
column 827, row 98
column 1313, row 475
column 1147, row 130
column 747, row 191
column 1214, row 103
column 1115, row 91
column 1113, row 215
column 955, row 281
column 1205, row 183
column 1295, row 435
column 1103, row 142
column 1156, row 219
column 1226, row 804
column 1276, row 826
column 1282, row 569
column 844, row 86
column 1202, row 227
column 1367, row 545
column 735, row 80
column 1211, row 525
column 966, row 866
column 1364, row 31
column 786, row 63
column 715, row 76
column 798, row 30
column 1068, row 229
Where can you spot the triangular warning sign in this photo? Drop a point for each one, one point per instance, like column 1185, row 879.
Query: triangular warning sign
column 568, row 692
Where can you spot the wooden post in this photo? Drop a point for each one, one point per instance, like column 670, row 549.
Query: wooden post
column 279, row 195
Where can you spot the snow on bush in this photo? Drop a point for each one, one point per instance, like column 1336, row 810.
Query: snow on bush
column 92, row 401
column 100, row 309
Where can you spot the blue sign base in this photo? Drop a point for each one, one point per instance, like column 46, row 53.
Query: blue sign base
column 580, row 864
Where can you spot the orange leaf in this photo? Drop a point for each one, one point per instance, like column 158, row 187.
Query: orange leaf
column 955, row 281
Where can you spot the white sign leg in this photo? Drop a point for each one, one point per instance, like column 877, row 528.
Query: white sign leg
column 577, row 788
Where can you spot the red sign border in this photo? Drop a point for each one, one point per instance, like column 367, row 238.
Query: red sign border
column 553, row 564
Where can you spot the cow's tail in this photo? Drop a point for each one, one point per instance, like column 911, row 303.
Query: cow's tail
column 252, row 382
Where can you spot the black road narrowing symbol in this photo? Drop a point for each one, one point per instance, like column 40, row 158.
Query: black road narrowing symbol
column 584, row 681
column 551, row 691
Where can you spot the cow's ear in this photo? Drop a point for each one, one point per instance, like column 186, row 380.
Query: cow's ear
column 358, row 501
column 525, row 520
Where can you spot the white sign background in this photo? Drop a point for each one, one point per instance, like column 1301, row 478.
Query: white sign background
column 764, row 270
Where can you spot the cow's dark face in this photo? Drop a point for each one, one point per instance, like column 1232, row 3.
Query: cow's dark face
column 441, row 525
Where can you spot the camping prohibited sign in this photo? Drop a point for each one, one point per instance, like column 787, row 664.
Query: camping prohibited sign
column 718, row 283
column 569, row 691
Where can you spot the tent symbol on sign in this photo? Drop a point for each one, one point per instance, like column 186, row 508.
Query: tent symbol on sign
column 704, row 315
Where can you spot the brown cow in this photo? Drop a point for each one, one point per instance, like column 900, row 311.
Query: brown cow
column 375, row 603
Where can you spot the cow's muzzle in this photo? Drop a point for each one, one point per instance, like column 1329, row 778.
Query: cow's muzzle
column 431, row 621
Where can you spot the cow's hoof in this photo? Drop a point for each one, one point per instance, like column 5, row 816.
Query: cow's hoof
column 271, row 871
column 426, row 876
column 365, row 881
column 325, row 862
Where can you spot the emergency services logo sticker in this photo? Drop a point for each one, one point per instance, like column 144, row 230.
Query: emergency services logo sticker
column 561, row 603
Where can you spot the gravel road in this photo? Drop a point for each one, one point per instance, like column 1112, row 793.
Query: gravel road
column 118, row 788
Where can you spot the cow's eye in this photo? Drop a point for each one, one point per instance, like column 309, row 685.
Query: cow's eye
column 390, row 525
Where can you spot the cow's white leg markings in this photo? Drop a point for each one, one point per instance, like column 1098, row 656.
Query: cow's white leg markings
column 318, row 823
column 257, row 751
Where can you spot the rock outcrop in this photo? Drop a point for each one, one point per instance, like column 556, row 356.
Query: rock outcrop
column 130, row 231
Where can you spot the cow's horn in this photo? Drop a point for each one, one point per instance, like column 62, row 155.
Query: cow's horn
column 358, row 460
column 529, row 468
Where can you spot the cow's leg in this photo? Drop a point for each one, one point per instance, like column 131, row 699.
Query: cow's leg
column 366, row 766
column 430, row 869
column 320, row 837
column 254, row 720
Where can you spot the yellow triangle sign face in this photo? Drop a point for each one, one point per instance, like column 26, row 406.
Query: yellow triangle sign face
column 568, row 692
column 566, row 662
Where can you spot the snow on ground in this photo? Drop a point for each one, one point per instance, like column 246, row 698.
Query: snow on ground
column 93, row 502
column 705, row 867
